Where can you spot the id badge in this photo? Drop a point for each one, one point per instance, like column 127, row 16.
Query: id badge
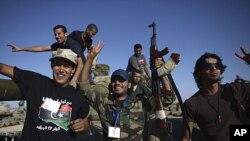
column 114, row 132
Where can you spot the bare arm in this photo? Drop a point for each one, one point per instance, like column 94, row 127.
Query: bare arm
column 16, row 48
column 147, row 71
column 166, row 85
column 93, row 52
column 6, row 70
column 186, row 136
column 79, row 68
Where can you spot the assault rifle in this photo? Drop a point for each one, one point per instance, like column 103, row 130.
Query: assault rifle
column 156, row 89
column 168, row 67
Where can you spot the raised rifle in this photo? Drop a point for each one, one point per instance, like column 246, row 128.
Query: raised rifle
column 160, row 119
column 154, row 53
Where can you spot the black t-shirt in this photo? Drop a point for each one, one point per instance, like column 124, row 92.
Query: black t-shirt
column 69, row 44
column 77, row 36
column 205, row 110
column 49, row 107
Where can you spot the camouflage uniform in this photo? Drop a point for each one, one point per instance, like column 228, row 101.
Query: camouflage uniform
column 131, row 114
column 151, row 132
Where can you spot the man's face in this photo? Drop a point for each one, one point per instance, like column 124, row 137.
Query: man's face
column 158, row 62
column 136, row 78
column 60, row 36
column 211, row 71
column 63, row 70
column 137, row 52
column 90, row 33
column 119, row 85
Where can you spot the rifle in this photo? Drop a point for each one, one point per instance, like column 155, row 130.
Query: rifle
column 160, row 118
column 154, row 53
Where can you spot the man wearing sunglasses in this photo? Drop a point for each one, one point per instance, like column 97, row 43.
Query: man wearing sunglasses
column 216, row 106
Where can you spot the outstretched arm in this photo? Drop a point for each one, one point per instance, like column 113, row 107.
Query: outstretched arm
column 6, row 70
column 245, row 56
column 16, row 48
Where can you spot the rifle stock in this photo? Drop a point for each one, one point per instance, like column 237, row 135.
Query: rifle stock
column 160, row 119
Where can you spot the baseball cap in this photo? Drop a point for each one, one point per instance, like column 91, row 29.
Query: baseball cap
column 122, row 73
column 64, row 53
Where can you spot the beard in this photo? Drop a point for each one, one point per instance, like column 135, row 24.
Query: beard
column 114, row 96
column 136, row 82
column 214, row 80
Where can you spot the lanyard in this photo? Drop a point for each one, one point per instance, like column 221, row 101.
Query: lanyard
column 116, row 115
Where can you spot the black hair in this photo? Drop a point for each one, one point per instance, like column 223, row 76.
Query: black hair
column 92, row 26
column 135, row 71
column 136, row 46
column 64, row 29
column 199, row 66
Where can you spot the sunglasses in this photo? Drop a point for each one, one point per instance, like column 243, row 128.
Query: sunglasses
column 210, row 66
column 118, row 78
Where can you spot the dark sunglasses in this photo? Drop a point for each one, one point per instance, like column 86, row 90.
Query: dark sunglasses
column 210, row 66
column 117, row 78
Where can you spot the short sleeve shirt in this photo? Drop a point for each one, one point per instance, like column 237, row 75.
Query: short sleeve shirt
column 69, row 44
column 77, row 36
column 50, row 108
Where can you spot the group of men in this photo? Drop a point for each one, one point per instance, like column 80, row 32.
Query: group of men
column 57, row 108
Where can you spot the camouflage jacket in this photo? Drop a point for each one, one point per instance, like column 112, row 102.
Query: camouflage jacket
column 132, row 114
column 145, row 92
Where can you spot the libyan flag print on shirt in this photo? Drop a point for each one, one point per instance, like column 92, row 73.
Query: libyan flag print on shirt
column 56, row 113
